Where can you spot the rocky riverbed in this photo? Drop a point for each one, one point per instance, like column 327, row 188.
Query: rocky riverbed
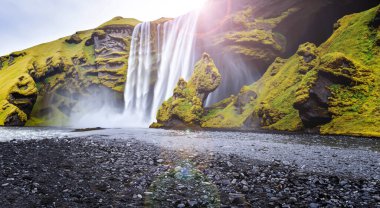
column 97, row 172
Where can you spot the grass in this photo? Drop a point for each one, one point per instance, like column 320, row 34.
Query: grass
column 187, row 102
column 120, row 21
column 53, row 63
column 255, row 37
column 352, row 53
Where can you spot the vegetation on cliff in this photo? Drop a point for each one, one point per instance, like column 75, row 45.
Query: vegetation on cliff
column 254, row 37
column 65, row 70
column 185, row 108
column 333, row 87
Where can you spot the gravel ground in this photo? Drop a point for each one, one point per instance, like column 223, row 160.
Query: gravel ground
column 98, row 172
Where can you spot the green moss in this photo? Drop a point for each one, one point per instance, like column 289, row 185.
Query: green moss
column 186, row 105
column 354, row 97
column 206, row 77
column 7, row 109
column 254, row 36
column 120, row 21
column 66, row 66
column 354, row 106
column 247, row 19
column 273, row 107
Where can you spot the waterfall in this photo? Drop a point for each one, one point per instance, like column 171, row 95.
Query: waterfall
column 161, row 53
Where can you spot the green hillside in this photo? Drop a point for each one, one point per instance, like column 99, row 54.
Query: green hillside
column 66, row 69
column 334, row 87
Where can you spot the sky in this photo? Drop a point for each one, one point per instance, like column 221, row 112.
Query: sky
column 25, row 23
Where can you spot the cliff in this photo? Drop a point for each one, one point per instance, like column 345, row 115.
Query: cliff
column 326, row 81
column 245, row 36
column 43, row 84
column 331, row 89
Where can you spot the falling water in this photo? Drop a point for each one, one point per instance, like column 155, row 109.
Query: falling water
column 160, row 55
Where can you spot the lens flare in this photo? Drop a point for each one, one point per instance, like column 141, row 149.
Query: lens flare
column 196, row 4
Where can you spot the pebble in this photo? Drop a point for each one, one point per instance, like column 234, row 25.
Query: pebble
column 377, row 198
column 314, row 205
column 236, row 199
column 274, row 199
column 236, row 180
column 293, row 199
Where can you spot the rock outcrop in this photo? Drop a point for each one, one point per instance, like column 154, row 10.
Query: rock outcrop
column 67, row 71
column 331, row 89
column 185, row 108
column 19, row 100
column 245, row 37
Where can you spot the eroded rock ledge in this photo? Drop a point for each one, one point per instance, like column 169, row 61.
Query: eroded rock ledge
column 185, row 108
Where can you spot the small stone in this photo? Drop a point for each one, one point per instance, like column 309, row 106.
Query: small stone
column 181, row 206
column 245, row 188
column 314, row 205
column 377, row 198
column 5, row 184
column 193, row 203
column 234, row 181
column 160, row 161
column 236, row 199
column 273, row 199
column 148, row 193
column 229, row 164
column 139, row 196
column 293, row 199
column 343, row 183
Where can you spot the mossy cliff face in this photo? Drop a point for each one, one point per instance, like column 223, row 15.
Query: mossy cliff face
column 17, row 98
column 332, row 88
column 43, row 84
column 255, row 38
column 261, row 30
column 185, row 108
column 245, row 36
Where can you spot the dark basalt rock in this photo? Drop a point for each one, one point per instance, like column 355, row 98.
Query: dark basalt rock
column 89, row 42
column 74, row 39
column 243, row 99
column 376, row 21
column 23, row 102
column 314, row 111
column 13, row 120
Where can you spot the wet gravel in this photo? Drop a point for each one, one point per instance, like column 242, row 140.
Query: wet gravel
column 96, row 172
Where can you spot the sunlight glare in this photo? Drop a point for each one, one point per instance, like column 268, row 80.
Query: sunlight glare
column 189, row 5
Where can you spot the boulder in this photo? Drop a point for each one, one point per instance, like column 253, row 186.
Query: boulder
column 74, row 39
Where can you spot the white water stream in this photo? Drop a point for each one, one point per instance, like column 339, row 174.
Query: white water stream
column 160, row 55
